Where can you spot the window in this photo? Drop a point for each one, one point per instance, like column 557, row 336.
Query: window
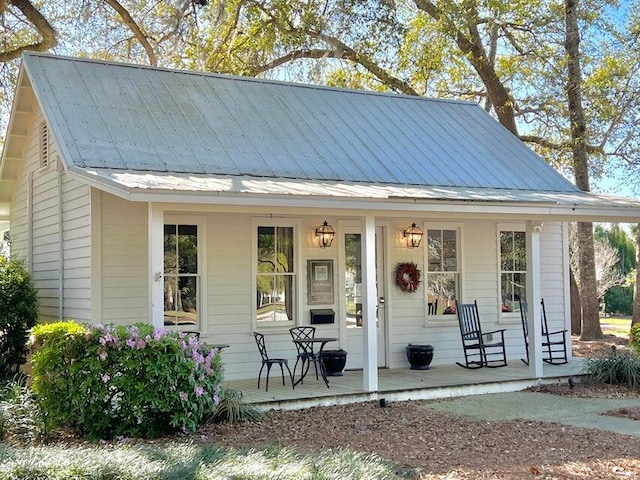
column 443, row 271
column 353, row 279
column 276, row 275
column 181, row 276
column 44, row 145
column 513, row 269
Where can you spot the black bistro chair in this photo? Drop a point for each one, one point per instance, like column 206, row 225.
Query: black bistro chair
column 481, row 349
column 269, row 362
column 554, row 344
column 305, row 350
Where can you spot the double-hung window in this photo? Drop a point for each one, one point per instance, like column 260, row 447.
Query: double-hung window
column 182, row 281
column 276, row 275
column 443, row 270
column 513, row 268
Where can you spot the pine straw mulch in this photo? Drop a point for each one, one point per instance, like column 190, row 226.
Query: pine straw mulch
column 440, row 446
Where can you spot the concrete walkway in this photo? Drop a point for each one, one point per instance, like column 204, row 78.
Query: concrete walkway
column 544, row 407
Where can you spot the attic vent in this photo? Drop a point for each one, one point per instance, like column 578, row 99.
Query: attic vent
column 44, row 145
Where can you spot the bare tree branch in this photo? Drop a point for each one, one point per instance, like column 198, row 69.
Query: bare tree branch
column 135, row 29
column 42, row 26
column 350, row 54
column 473, row 49
column 292, row 56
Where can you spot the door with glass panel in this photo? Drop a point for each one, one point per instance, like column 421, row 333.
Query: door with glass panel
column 353, row 287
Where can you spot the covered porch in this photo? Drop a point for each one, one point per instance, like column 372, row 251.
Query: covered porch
column 398, row 384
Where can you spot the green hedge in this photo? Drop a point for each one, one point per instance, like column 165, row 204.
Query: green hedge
column 18, row 314
column 104, row 381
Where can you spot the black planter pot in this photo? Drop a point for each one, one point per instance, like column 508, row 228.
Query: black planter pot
column 419, row 356
column 334, row 361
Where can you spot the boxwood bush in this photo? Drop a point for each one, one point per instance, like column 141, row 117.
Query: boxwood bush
column 105, row 381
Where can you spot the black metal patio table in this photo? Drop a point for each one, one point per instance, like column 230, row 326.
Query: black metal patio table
column 307, row 344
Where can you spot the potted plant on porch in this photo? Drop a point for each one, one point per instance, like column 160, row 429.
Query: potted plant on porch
column 334, row 361
column 419, row 355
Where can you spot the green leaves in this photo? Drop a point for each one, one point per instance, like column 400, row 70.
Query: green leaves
column 18, row 314
column 132, row 381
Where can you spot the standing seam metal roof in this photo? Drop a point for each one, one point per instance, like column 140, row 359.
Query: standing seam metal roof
column 129, row 117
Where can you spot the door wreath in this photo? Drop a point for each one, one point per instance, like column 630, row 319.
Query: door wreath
column 408, row 276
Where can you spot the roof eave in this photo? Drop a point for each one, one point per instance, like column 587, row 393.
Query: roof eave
column 574, row 212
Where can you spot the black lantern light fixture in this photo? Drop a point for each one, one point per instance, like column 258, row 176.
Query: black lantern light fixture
column 413, row 234
column 325, row 234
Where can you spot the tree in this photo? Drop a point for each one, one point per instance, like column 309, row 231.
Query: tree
column 519, row 59
column 606, row 260
column 636, row 299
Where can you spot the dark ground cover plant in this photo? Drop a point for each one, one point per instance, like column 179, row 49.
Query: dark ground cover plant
column 137, row 381
column 21, row 420
column 232, row 409
column 616, row 367
column 18, row 314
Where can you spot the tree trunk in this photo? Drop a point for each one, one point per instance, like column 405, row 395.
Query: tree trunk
column 576, row 305
column 635, row 319
column 588, row 291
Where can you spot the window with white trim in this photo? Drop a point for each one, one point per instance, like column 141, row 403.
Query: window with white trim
column 442, row 282
column 276, row 275
column 513, row 269
column 182, row 282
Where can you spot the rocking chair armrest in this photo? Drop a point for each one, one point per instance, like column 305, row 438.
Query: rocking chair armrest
column 501, row 332
column 563, row 332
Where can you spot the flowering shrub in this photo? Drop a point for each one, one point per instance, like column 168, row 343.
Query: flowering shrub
column 106, row 381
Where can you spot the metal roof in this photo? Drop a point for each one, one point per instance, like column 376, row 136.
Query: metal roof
column 141, row 119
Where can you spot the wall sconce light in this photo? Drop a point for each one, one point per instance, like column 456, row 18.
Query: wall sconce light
column 413, row 234
column 325, row 234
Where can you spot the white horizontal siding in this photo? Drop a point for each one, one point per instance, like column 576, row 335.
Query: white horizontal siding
column 124, row 261
column 76, row 240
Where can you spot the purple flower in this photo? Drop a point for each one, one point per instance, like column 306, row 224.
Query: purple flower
column 183, row 396
column 159, row 333
column 131, row 343
column 197, row 357
column 133, row 331
column 140, row 344
column 106, row 377
column 198, row 391
column 103, row 355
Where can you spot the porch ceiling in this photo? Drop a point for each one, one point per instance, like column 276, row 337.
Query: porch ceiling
column 384, row 199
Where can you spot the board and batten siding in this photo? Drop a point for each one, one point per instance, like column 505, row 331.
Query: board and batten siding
column 50, row 218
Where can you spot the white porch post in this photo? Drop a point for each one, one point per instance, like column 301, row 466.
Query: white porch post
column 534, row 295
column 156, row 265
column 370, row 338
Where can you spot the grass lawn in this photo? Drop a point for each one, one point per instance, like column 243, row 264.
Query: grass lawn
column 619, row 326
column 187, row 461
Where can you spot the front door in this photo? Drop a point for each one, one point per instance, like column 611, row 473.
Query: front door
column 352, row 288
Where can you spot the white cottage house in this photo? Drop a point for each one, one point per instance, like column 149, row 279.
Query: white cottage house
column 198, row 202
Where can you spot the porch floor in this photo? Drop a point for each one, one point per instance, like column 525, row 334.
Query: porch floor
column 440, row 381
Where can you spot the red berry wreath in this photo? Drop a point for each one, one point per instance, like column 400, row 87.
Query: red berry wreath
column 408, row 276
